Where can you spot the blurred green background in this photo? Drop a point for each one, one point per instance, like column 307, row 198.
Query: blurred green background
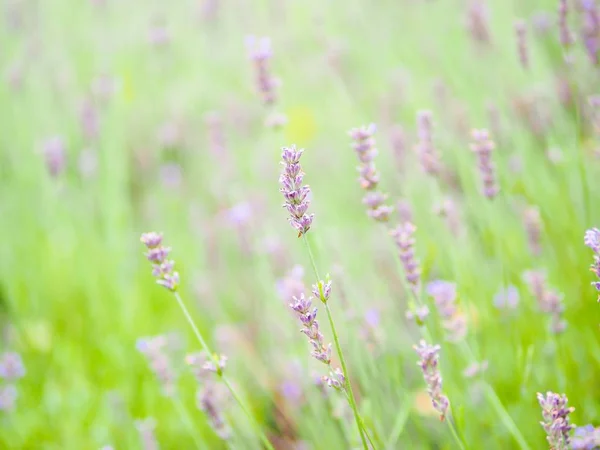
column 153, row 107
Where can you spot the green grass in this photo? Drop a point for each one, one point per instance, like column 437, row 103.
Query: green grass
column 76, row 292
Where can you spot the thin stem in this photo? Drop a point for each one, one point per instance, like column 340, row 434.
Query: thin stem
column 234, row 394
column 455, row 434
column 338, row 347
column 182, row 411
column 505, row 417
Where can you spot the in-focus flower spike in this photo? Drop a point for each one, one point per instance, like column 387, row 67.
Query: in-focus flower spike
column 483, row 146
column 403, row 236
column 550, row 301
column 453, row 320
column 162, row 268
column 365, row 148
column 522, row 46
column 322, row 290
column 335, row 379
column 430, row 160
column 296, row 194
column 310, row 327
column 260, row 53
column 429, row 363
column 592, row 240
column 556, row 419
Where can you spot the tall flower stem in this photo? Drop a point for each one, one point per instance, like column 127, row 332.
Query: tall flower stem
column 351, row 399
column 220, row 374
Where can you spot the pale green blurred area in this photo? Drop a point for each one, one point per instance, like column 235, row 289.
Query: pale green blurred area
column 76, row 292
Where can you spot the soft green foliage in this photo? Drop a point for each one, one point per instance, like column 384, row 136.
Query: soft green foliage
column 76, row 292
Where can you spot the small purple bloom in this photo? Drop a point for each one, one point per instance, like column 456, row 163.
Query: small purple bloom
column 162, row 268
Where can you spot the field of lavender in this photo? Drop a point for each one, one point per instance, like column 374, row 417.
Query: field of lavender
column 433, row 290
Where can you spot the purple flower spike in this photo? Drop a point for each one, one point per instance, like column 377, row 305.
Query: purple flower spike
column 533, row 226
column 521, row 32
column 403, row 236
column 162, row 268
column 556, row 419
column 365, row 147
column 566, row 37
column 483, row 146
column 433, row 378
column 260, row 53
column 295, row 194
column 592, row 239
column 430, row 160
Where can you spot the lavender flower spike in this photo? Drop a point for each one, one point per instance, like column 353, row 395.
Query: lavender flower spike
column 556, row 419
column 405, row 241
column 310, row 327
column 295, row 194
column 592, row 240
column 433, row 378
column 426, row 151
column 364, row 146
column 483, row 147
column 260, row 52
column 162, row 268
column 521, row 32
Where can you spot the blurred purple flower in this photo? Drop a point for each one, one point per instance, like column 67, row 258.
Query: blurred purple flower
column 54, row 151
column 8, row 397
column 403, row 236
column 444, row 295
column 11, row 366
column 483, row 147
column 507, row 298
column 260, row 53
column 145, row 430
column 171, row 175
column 585, row 438
column 550, row 301
column 522, row 44
column 430, row 160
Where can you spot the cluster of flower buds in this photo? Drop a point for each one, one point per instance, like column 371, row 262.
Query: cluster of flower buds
column 162, row 268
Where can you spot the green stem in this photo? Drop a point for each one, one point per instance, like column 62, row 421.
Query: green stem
column 455, row 434
column 505, row 417
column 338, row 347
column 234, row 394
